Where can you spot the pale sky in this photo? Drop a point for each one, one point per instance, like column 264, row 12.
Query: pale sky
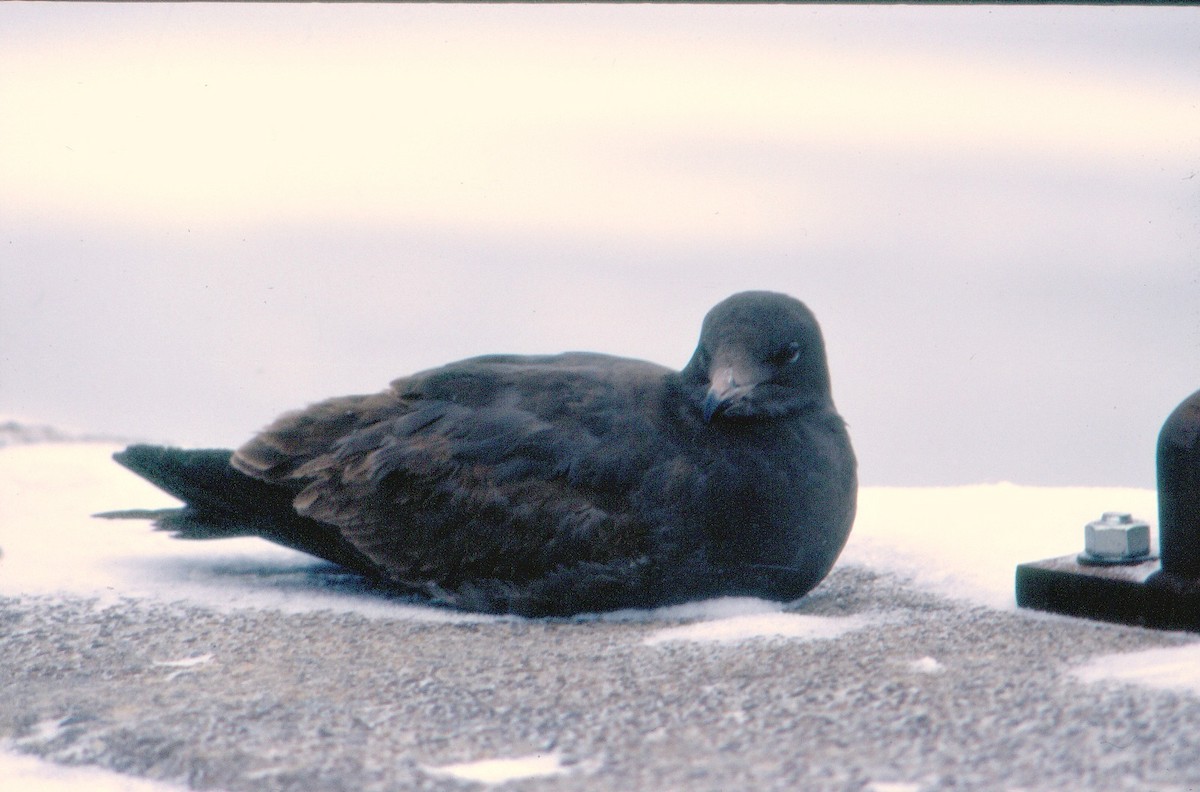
column 210, row 214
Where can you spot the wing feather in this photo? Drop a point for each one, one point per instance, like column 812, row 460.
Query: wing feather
column 467, row 474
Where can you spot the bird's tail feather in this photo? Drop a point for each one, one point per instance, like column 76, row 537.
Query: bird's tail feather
column 204, row 480
column 221, row 502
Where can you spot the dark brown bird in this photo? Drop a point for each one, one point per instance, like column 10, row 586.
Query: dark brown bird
column 552, row 485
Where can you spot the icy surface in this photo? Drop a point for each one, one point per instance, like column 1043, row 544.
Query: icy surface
column 499, row 771
column 1172, row 668
column 765, row 625
column 926, row 665
column 890, row 786
column 29, row 774
column 51, row 543
column 965, row 542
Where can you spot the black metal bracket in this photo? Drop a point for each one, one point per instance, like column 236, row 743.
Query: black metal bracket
column 1163, row 593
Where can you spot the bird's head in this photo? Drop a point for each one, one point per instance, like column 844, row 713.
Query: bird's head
column 760, row 355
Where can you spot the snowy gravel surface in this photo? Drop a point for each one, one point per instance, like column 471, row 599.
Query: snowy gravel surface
column 883, row 680
column 924, row 694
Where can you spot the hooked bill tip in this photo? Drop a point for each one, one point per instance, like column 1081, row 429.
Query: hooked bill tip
column 713, row 405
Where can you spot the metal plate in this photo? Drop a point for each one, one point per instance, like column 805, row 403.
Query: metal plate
column 1129, row 594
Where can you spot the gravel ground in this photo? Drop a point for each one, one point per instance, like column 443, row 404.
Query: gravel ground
column 322, row 701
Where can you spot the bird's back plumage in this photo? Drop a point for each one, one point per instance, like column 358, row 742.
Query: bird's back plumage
column 574, row 482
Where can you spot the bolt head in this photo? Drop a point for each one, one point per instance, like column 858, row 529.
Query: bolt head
column 1116, row 536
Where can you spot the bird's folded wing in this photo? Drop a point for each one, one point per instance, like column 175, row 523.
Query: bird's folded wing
column 429, row 488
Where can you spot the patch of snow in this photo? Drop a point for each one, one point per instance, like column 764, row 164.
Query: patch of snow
column 267, row 772
column 1171, row 668
column 186, row 662
column 50, row 543
column 716, row 608
column 184, row 666
column 891, row 786
column 965, row 542
column 794, row 626
column 42, row 732
column 926, row 665
column 31, row 774
column 499, row 771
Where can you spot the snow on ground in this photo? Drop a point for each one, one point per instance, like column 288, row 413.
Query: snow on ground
column 499, row 771
column 29, row 773
column 959, row 542
column 1172, row 668
column 51, row 543
column 925, row 665
column 965, row 542
column 886, row 786
column 760, row 625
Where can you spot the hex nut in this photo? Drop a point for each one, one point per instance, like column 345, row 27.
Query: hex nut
column 1116, row 536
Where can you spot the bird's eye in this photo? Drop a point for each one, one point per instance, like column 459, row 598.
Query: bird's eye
column 786, row 356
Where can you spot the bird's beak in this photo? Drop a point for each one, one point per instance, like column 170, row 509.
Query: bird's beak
column 725, row 388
